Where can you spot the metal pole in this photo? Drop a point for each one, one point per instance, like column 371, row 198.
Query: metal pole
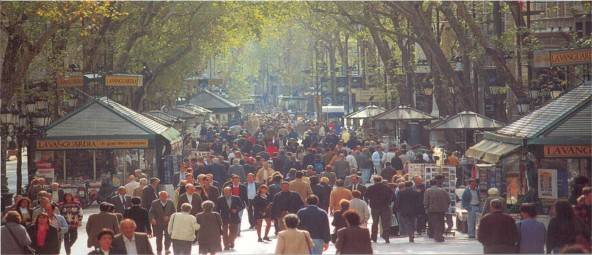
column 64, row 164
column 94, row 165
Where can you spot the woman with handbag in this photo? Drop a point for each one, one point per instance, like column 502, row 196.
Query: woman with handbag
column 292, row 240
column 262, row 211
column 44, row 237
column 14, row 236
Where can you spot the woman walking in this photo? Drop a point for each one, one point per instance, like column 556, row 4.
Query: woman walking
column 14, row 235
column 182, row 227
column 23, row 208
column 292, row 240
column 44, row 237
column 262, row 212
column 564, row 228
column 209, row 235
column 72, row 211
column 353, row 239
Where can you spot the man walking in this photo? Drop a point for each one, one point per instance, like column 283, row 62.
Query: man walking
column 130, row 241
column 409, row 205
column 497, row 231
column 380, row 197
column 315, row 220
column 191, row 198
column 229, row 206
column 470, row 201
column 149, row 193
column 160, row 212
column 283, row 203
column 301, row 187
column 121, row 201
column 252, row 188
column 436, row 202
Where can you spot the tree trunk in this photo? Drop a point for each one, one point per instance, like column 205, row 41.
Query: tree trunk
column 420, row 22
column 496, row 54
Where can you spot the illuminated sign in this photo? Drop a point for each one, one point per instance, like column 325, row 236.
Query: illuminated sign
column 91, row 144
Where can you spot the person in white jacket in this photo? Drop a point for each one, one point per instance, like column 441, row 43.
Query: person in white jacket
column 361, row 207
column 182, row 229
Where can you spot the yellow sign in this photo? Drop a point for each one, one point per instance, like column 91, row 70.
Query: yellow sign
column 91, row 144
column 69, row 82
column 571, row 57
column 123, row 80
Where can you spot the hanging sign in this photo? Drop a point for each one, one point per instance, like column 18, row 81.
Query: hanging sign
column 124, row 80
column 91, row 144
column 571, row 151
column 70, row 81
column 571, row 57
column 547, row 183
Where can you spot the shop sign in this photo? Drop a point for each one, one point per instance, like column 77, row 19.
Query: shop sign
column 566, row 151
column 547, row 183
column 124, row 80
column 571, row 57
column 91, row 144
column 70, row 81
column 541, row 59
column 369, row 95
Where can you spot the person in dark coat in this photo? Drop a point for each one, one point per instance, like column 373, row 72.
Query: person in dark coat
column 338, row 219
column 139, row 215
column 150, row 193
column 128, row 232
column 315, row 220
column 321, row 190
column 285, row 202
column 51, row 244
column 210, row 230
column 396, row 162
column 192, row 198
column 120, row 200
column 353, row 239
column 160, row 213
column 388, row 171
column 380, row 197
column 356, row 185
column 409, row 204
column 262, row 212
column 497, row 231
column 229, row 206
column 564, row 228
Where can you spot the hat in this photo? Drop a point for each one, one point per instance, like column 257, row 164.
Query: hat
column 493, row 192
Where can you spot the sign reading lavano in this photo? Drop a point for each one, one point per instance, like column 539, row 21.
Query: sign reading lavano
column 91, row 144
column 568, row 151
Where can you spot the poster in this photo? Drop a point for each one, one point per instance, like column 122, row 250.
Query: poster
column 547, row 183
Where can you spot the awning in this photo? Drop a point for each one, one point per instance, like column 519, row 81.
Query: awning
column 490, row 151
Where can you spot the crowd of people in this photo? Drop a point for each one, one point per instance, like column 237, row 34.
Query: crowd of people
column 301, row 178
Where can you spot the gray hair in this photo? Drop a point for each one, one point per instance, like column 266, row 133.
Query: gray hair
column 496, row 204
column 186, row 207
column 143, row 181
column 207, row 206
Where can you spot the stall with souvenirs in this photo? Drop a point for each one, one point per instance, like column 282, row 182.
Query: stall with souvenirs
column 545, row 155
column 104, row 141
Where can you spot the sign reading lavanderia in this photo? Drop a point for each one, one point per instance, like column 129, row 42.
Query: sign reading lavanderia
column 91, row 144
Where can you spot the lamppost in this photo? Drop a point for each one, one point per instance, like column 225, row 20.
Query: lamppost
column 8, row 118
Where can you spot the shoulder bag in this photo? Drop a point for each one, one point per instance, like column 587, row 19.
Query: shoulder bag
column 26, row 248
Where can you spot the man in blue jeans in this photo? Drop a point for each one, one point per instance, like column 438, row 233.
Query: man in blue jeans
column 471, row 202
column 315, row 221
